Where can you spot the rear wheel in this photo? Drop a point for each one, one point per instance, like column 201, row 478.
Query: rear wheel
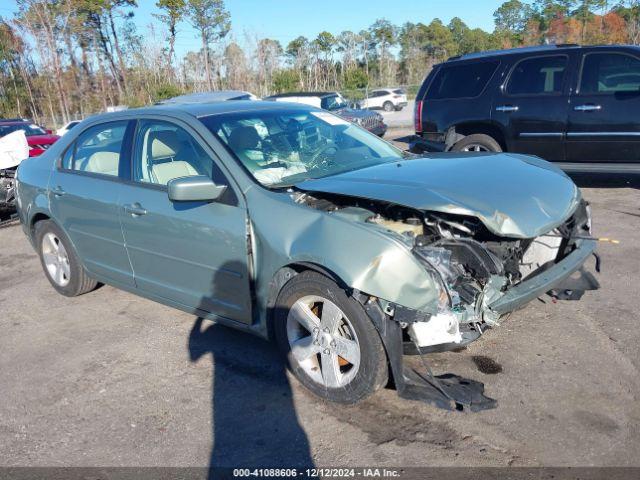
column 330, row 344
column 477, row 143
column 60, row 262
column 388, row 106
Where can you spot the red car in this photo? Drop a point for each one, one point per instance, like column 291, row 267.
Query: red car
column 38, row 138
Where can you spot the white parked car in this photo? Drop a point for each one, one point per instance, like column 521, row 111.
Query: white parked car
column 388, row 99
column 61, row 131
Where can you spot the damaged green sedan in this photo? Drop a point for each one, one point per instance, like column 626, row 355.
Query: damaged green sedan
column 291, row 223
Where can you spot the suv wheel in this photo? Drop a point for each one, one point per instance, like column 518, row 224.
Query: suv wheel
column 477, row 143
column 330, row 343
column 60, row 262
column 388, row 106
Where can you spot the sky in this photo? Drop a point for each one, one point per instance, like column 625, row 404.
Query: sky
column 284, row 20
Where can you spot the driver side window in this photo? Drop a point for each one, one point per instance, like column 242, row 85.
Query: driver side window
column 164, row 151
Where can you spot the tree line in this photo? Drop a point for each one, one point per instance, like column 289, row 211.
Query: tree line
column 64, row 59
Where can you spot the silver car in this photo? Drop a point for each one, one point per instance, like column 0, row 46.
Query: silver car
column 289, row 222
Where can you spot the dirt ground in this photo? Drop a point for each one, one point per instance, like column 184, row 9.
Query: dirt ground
column 112, row 379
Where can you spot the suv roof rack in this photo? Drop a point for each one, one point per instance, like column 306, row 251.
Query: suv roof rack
column 490, row 53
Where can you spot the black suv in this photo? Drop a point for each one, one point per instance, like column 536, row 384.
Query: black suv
column 579, row 106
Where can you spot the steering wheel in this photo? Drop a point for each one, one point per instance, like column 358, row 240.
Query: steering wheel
column 321, row 159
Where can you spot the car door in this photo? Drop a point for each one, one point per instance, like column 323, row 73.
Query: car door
column 603, row 115
column 531, row 105
column 191, row 253
column 84, row 189
column 376, row 99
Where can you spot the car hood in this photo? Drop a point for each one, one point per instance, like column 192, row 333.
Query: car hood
column 513, row 195
column 353, row 113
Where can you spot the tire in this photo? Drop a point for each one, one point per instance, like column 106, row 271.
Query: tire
column 60, row 262
column 388, row 107
column 353, row 377
column 477, row 143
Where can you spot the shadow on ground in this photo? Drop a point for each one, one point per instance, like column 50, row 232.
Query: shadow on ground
column 254, row 417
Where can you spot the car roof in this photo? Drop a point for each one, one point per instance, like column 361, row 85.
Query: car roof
column 217, row 96
column 15, row 122
column 561, row 47
column 303, row 94
column 199, row 110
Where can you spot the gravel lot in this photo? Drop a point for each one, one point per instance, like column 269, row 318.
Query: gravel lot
column 111, row 379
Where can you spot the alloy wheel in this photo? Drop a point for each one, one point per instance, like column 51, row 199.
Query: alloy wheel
column 323, row 341
column 475, row 147
column 56, row 259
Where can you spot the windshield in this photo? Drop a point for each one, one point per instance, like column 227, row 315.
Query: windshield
column 281, row 148
column 28, row 128
column 334, row 102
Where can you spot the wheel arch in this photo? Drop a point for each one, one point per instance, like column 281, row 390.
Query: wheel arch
column 458, row 132
column 287, row 273
column 35, row 218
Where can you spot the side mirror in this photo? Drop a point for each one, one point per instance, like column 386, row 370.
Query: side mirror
column 199, row 188
column 49, row 131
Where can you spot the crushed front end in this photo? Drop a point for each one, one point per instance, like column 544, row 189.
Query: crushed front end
column 480, row 276
column 484, row 276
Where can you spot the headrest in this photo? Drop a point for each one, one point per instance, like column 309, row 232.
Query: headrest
column 164, row 143
column 244, row 138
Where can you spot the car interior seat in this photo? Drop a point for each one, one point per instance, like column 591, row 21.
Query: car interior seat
column 245, row 142
column 166, row 162
column 102, row 162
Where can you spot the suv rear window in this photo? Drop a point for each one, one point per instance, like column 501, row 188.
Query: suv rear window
column 538, row 76
column 461, row 81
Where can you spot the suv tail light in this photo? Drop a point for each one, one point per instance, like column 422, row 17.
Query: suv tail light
column 417, row 114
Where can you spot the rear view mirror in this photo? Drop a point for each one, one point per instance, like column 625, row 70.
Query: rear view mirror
column 199, row 188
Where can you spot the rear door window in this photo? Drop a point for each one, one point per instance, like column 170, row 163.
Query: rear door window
column 538, row 76
column 97, row 150
column 461, row 81
column 609, row 73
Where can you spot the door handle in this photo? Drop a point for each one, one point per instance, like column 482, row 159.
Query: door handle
column 135, row 209
column 587, row 108
column 58, row 191
column 507, row 108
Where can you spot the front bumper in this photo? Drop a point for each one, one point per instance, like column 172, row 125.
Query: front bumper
column 495, row 302
column 528, row 290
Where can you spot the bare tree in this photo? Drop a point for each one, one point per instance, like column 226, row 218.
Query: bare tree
column 173, row 13
column 212, row 21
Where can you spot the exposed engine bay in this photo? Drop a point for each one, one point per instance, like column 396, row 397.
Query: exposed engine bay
column 7, row 188
column 472, row 265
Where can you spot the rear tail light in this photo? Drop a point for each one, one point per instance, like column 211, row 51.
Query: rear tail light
column 417, row 113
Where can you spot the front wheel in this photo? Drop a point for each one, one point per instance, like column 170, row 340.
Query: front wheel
column 477, row 143
column 330, row 343
column 388, row 107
